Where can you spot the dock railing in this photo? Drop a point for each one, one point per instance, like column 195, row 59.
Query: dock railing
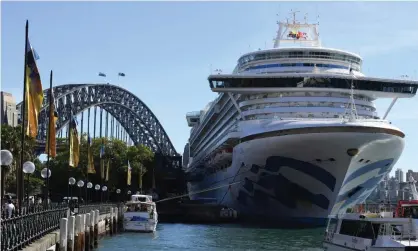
column 19, row 229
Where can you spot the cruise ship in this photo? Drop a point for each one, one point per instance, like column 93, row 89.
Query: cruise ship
column 294, row 134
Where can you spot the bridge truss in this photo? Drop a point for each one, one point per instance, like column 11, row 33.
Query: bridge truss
column 134, row 120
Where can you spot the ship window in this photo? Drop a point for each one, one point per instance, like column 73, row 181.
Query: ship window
column 361, row 229
column 318, row 83
column 299, row 54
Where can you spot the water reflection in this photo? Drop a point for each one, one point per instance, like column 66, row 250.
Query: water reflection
column 215, row 237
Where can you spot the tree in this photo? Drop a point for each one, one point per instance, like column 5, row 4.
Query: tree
column 140, row 157
column 11, row 140
column 116, row 152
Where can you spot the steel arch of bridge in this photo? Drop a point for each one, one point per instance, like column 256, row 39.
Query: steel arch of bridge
column 134, row 116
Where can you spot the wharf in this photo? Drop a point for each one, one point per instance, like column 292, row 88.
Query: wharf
column 49, row 242
column 79, row 234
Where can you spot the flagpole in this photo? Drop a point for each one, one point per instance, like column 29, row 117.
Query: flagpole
column 69, row 153
column 23, row 113
column 49, row 138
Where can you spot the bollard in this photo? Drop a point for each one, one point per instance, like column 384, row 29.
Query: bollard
column 63, row 234
column 83, row 232
column 87, row 233
column 79, row 226
column 115, row 220
column 70, row 233
column 91, row 224
column 111, row 221
column 121, row 219
column 96, row 228
column 77, row 235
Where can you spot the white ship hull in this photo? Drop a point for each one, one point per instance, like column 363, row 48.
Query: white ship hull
column 300, row 174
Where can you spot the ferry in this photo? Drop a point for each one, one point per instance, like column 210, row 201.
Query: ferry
column 140, row 214
column 293, row 134
column 386, row 231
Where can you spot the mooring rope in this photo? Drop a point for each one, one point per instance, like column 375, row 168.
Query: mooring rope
column 201, row 191
column 232, row 181
column 213, row 188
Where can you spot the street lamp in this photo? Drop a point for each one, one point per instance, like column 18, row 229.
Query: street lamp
column 46, row 174
column 89, row 185
column 104, row 189
column 97, row 188
column 28, row 168
column 5, row 160
column 80, row 184
column 118, row 192
column 71, row 182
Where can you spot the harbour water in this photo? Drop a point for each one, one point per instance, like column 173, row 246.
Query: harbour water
column 175, row 237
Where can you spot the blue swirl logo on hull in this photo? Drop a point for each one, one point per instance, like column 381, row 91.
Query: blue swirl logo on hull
column 363, row 190
column 283, row 190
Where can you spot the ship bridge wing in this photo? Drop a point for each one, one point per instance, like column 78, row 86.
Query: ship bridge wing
column 284, row 82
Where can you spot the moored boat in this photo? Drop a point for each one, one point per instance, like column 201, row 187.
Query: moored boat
column 140, row 214
column 392, row 231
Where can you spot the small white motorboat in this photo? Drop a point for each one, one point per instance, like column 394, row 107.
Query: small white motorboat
column 386, row 231
column 140, row 214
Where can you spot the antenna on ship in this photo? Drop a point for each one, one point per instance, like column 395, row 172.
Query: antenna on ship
column 317, row 19
column 352, row 115
column 294, row 15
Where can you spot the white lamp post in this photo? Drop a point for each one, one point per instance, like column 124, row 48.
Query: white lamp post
column 118, row 192
column 80, row 184
column 28, row 169
column 46, row 174
column 5, row 160
column 97, row 188
column 88, row 187
column 71, row 182
column 104, row 189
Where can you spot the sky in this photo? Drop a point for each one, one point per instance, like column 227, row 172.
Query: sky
column 167, row 49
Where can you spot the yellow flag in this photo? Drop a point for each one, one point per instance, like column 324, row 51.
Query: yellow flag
column 74, row 144
column 90, row 159
column 51, row 136
column 129, row 174
column 34, row 94
column 102, row 169
column 107, row 170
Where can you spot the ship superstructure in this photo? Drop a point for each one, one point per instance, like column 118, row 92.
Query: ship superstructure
column 294, row 131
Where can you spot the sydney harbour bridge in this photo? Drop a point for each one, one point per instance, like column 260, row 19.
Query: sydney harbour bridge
column 118, row 113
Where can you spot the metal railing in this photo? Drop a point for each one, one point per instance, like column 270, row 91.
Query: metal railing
column 18, row 229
